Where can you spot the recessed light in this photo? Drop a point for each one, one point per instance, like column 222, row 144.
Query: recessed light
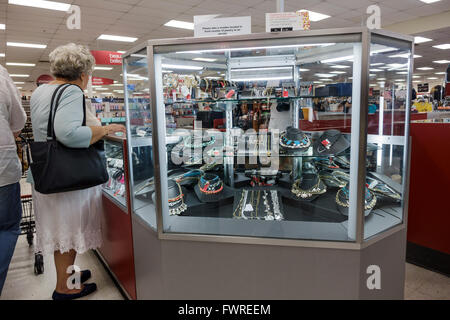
column 205, row 59
column 51, row 5
column 19, row 75
column 430, row 1
column 2, row 26
column 420, row 39
column 432, row 78
column 425, row 68
column 442, row 61
column 440, row 73
column 19, row 64
column 103, row 68
column 116, row 38
column 315, row 16
column 180, row 24
column 444, row 46
column 179, row 66
column 338, row 72
column 26, row 45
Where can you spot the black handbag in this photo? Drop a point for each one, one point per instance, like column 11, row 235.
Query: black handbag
column 57, row 168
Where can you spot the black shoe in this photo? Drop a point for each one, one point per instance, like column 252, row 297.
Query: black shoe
column 85, row 276
column 88, row 289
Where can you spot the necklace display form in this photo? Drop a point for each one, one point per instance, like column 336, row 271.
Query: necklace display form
column 258, row 204
column 211, row 188
column 343, row 196
column 331, row 142
column 294, row 138
column 309, row 186
column 175, row 198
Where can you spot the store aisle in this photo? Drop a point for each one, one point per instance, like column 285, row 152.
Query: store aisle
column 22, row 284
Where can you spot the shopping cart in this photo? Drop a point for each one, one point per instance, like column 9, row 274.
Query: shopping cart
column 28, row 223
column 28, row 228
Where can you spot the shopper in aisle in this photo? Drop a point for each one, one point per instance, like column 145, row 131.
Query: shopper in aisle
column 12, row 120
column 68, row 223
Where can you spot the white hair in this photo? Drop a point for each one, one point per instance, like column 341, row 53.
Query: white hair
column 70, row 61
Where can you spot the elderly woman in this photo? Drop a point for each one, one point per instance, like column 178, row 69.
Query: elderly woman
column 68, row 223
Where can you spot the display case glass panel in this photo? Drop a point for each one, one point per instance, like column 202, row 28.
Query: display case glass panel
column 261, row 137
column 387, row 132
column 139, row 127
column 115, row 188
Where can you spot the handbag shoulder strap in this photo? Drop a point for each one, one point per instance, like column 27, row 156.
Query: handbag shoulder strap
column 54, row 106
column 50, row 129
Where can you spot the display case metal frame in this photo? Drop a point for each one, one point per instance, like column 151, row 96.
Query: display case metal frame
column 359, row 127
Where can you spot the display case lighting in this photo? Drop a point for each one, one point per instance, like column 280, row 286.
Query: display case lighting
column 256, row 48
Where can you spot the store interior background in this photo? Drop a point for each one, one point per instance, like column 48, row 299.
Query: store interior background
column 145, row 19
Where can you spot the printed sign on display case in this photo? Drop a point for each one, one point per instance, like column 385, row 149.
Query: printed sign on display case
column 287, row 21
column 210, row 26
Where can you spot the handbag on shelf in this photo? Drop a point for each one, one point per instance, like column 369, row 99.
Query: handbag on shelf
column 57, row 168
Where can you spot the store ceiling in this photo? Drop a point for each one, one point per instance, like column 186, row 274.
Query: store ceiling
column 145, row 19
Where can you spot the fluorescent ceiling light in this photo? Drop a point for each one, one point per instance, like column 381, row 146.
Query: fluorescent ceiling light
column 180, row 24
column 372, row 74
column 398, row 80
column 425, row 68
column 117, row 85
column 415, row 77
column 442, row 61
column 19, row 87
column 2, row 54
column 167, row 71
column 325, row 75
column 26, row 45
column 381, row 79
column 263, row 68
column 402, row 72
column 106, row 93
column 338, row 72
column 2, row 26
column 315, row 16
column 20, row 64
column 420, row 39
column 404, row 55
column 51, row 5
column 99, row 88
column 118, row 91
column 326, row 79
column 317, row 82
column 444, row 46
column 263, row 79
column 121, row 52
column 346, row 58
column 303, row 70
column 179, row 66
column 103, row 68
column 19, row 75
column 205, row 59
column 430, row 1
column 376, row 64
column 417, row 81
column 440, row 73
column 432, row 78
column 375, row 70
column 116, row 38
column 19, row 82
column 382, row 50
column 339, row 67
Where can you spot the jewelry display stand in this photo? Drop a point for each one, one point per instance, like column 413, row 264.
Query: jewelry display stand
column 288, row 237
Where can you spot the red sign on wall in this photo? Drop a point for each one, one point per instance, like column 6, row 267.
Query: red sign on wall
column 98, row 81
column 107, row 57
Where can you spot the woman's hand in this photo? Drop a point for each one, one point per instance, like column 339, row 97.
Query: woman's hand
column 113, row 128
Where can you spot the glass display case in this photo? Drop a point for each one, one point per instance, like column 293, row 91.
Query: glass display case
column 266, row 137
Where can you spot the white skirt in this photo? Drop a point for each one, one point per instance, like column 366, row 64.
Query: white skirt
column 68, row 220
